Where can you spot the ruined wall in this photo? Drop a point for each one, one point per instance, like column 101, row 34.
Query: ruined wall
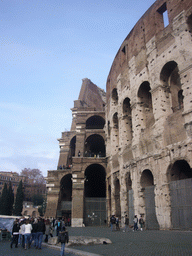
column 79, row 149
column 149, row 108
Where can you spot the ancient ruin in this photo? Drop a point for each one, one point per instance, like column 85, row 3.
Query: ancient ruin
column 78, row 188
column 146, row 127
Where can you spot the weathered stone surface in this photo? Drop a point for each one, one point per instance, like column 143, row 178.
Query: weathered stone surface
column 81, row 240
column 147, row 129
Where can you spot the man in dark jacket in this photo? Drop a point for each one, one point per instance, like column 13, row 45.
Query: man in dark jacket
column 34, row 232
column 40, row 233
column 63, row 238
column 15, row 233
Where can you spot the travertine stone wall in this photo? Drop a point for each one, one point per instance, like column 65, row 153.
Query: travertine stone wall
column 151, row 76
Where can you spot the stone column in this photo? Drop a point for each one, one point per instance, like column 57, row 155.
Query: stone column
column 186, row 78
column 123, row 199
column 113, row 210
column 163, row 206
column 77, row 201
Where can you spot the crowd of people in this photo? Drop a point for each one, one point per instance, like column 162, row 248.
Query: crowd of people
column 115, row 223
column 31, row 232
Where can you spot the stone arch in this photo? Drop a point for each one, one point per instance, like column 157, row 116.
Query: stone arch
column 65, row 196
column 95, row 122
column 179, row 175
column 95, row 195
column 170, row 79
column 34, row 214
column 145, row 102
column 147, row 179
column 114, row 96
column 179, row 170
column 127, row 122
column 95, row 146
column 25, row 213
column 95, row 185
column 147, row 193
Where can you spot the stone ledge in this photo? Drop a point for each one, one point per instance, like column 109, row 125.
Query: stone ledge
column 81, row 240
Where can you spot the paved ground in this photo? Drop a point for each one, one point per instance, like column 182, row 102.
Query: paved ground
column 145, row 243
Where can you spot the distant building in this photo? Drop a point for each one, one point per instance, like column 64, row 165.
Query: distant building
column 29, row 188
column 14, row 178
column 30, row 210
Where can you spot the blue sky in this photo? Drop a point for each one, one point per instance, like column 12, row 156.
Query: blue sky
column 47, row 47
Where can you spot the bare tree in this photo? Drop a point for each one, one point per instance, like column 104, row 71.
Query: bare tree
column 34, row 176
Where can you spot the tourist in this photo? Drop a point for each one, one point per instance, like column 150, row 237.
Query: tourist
column 47, row 230
column 40, row 233
column 117, row 223
column 28, row 228
column 141, row 222
column 15, row 234
column 126, row 223
column 112, row 222
column 63, row 238
column 135, row 221
column 22, row 233
column 34, row 232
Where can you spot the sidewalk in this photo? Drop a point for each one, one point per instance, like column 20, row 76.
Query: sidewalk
column 145, row 243
column 139, row 243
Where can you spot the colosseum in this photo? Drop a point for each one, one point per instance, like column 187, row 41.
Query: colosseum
column 131, row 152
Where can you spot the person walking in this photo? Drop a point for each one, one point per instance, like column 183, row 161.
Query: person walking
column 47, row 230
column 141, row 222
column 34, row 232
column 22, row 233
column 58, row 225
column 112, row 222
column 15, row 233
column 28, row 228
column 135, row 221
column 126, row 223
column 117, row 223
column 40, row 233
column 63, row 238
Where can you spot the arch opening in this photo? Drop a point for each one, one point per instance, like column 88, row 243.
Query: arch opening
column 95, row 146
column 72, row 150
column 95, row 122
column 95, row 185
column 179, row 170
column 114, row 96
column 180, row 183
column 65, row 196
column 170, row 78
column 127, row 122
column 147, row 196
column 147, row 179
column 145, row 102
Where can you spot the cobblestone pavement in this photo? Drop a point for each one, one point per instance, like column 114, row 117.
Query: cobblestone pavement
column 139, row 243
column 5, row 250
column 145, row 243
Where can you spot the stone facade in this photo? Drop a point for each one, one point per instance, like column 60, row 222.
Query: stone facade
column 149, row 117
column 82, row 156
column 147, row 132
